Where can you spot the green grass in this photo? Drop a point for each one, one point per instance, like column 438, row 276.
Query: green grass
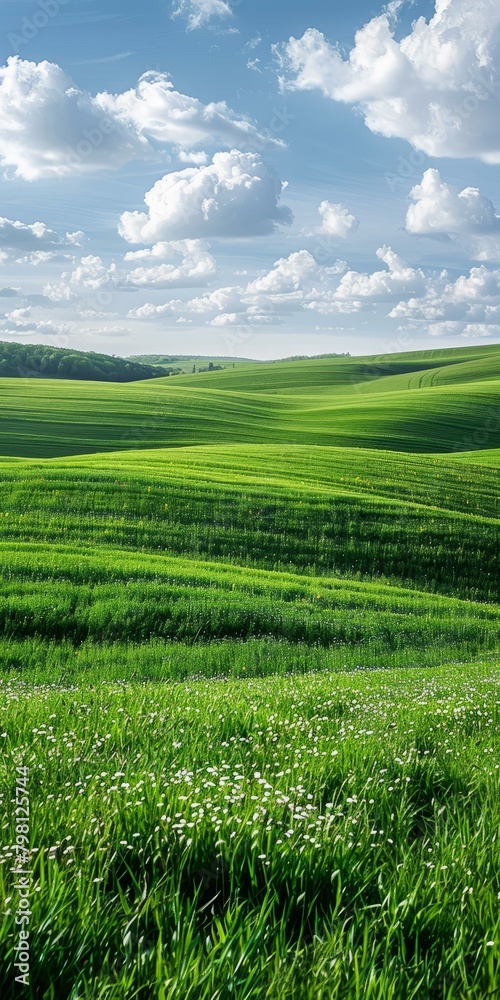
column 422, row 522
column 405, row 403
column 415, row 368
column 330, row 836
column 250, row 655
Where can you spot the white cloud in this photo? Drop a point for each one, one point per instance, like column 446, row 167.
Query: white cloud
column 42, row 257
column 468, row 306
column 253, row 43
column 89, row 276
column 97, row 314
column 441, row 210
column 481, row 285
column 51, row 128
column 296, row 273
column 219, row 301
column 191, row 265
column 288, row 275
column 438, row 87
column 166, row 250
column 22, row 326
column 39, row 243
column 186, row 263
column 198, row 159
column 235, row 195
column 226, row 319
column 469, row 330
column 200, row 12
column 159, row 112
column 399, row 279
column 336, row 220
column 17, row 315
column 251, row 318
column 294, row 283
column 297, row 282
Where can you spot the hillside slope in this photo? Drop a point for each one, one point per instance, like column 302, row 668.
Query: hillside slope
column 372, row 557
column 436, row 402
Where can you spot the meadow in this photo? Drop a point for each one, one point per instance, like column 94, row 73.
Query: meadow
column 330, row 835
column 405, row 403
column 249, row 655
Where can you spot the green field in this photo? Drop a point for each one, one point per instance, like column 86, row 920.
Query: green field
column 249, row 654
column 436, row 402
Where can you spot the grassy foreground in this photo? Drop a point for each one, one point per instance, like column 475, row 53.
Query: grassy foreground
column 330, row 836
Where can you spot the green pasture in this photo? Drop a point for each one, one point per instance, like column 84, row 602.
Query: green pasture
column 441, row 401
column 249, row 654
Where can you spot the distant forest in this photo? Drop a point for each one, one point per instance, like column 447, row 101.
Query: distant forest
column 37, row 361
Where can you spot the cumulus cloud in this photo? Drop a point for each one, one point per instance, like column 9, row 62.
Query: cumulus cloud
column 51, row 128
column 185, row 263
column 235, row 195
column 19, row 323
column 90, row 275
column 289, row 274
column 197, row 158
column 399, row 279
column 468, row 306
column 166, row 251
column 189, row 263
column 443, row 211
column 38, row 243
column 18, row 236
column 199, row 12
column 159, row 112
column 225, row 320
column 468, row 330
column 294, row 283
column 438, row 87
column 337, row 221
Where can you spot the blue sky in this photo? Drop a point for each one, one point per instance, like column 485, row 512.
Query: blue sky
column 307, row 192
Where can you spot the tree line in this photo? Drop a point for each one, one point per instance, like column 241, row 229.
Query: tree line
column 38, row 361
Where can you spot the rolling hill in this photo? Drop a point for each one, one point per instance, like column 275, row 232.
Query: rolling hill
column 214, row 507
column 249, row 633
column 440, row 401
